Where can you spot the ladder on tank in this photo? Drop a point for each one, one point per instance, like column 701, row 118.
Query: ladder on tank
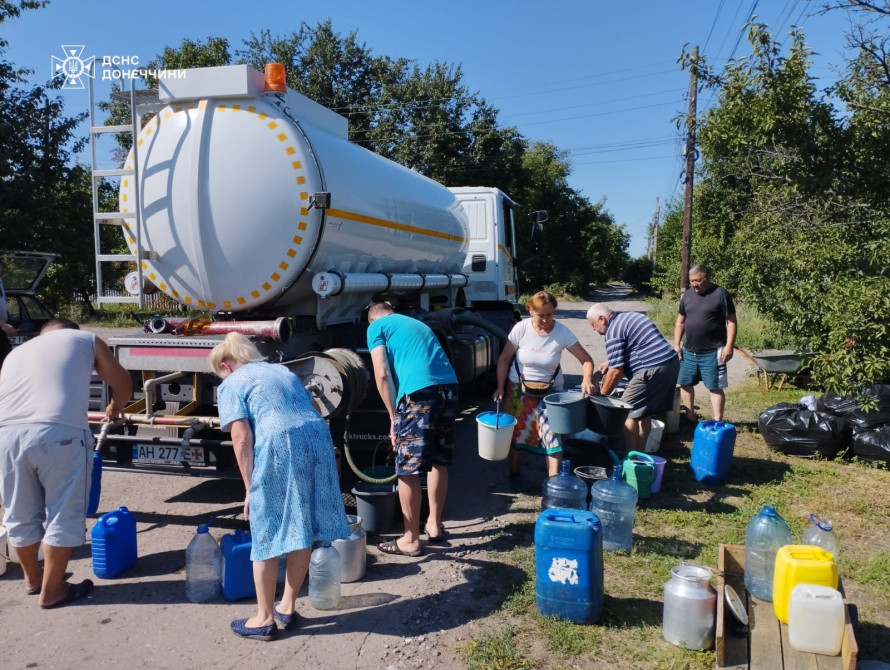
column 118, row 218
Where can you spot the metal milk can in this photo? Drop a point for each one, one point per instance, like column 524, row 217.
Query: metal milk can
column 690, row 607
column 352, row 551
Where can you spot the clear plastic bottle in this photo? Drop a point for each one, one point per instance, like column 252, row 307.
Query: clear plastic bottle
column 615, row 504
column 324, row 577
column 764, row 535
column 820, row 532
column 203, row 567
column 564, row 489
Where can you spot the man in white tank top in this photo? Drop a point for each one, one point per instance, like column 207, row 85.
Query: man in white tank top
column 45, row 450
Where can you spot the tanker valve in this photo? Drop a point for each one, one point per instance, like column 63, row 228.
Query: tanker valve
column 320, row 200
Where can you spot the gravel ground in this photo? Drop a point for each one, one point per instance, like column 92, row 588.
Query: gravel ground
column 405, row 613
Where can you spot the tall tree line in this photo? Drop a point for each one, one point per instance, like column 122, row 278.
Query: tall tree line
column 422, row 116
column 792, row 197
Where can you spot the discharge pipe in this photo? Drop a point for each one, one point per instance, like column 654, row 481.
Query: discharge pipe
column 279, row 330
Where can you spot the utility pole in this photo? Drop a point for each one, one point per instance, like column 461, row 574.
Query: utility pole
column 690, row 172
column 655, row 237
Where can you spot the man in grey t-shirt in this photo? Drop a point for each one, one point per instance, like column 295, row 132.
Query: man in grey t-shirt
column 707, row 317
column 46, row 450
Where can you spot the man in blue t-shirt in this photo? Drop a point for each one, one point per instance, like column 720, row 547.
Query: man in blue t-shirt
column 636, row 349
column 419, row 390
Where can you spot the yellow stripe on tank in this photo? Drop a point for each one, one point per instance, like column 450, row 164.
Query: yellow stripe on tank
column 393, row 225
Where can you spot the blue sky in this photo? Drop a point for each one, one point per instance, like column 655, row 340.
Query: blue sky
column 597, row 79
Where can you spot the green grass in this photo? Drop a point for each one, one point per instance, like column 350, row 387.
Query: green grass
column 688, row 521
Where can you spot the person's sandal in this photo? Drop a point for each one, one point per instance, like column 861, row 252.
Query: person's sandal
column 392, row 548
column 75, row 592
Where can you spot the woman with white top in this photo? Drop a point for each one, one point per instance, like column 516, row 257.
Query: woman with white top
column 532, row 355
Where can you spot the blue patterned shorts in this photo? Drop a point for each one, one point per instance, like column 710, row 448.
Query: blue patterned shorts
column 424, row 428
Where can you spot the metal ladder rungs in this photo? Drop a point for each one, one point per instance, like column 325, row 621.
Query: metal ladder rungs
column 110, row 216
column 117, row 172
column 118, row 299
column 99, row 130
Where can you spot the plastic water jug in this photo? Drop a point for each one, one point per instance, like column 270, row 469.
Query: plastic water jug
column 353, row 551
column 203, row 567
column 569, row 565
column 564, row 489
column 816, row 619
column 237, row 568
column 95, row 483
column 324, row 577
column 615, row 504
column 113, row 543
column 820, row 533
column 690, row 607
column 712, row 449
column 764, row 535
column 639, row 471
column 800, row 564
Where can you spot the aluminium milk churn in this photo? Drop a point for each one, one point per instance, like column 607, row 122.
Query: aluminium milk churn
column 690, row 607
column 352, row 550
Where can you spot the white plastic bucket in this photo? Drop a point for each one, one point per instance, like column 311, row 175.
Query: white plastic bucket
column 495, row 432
column 654, row 442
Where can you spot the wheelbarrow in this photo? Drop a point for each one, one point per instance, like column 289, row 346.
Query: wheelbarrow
column 780, row 363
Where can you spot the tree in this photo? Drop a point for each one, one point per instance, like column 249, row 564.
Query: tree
column 791, row 203
column 44, row 202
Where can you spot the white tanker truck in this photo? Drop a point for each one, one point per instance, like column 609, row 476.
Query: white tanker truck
column 246, row 200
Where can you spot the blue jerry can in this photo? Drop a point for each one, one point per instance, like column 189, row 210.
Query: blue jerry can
column 569, row 564
column 712, row 449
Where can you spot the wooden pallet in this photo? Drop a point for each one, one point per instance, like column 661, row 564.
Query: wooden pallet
column 767, row 646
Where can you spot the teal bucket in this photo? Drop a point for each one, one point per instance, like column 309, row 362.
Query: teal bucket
column 566, row 412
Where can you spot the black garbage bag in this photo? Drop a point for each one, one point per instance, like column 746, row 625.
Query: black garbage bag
column 797, row 431
column 836, row 404
column 873, row 445
column 861, row 420
column 881, row 395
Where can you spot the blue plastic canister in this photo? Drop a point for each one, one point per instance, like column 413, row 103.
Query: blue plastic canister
column 113, row 543
column 237, row 568
column 569, row 565
column 712, row 451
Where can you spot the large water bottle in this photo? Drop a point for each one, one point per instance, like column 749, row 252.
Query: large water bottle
column 203, row 567
column 615, row 504
column 820, row 532
column 324, row 577
column 564, row 489
column 765, row 534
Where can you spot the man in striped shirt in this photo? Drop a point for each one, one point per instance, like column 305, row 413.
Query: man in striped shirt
column 637, row 350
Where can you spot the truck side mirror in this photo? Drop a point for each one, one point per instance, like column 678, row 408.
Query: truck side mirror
column 537, row 240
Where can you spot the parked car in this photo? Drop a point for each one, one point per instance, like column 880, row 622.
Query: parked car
column 24, row 271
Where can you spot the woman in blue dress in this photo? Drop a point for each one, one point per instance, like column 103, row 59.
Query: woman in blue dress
column 287, row 460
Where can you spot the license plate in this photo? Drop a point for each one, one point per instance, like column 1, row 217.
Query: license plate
column 167, row 455
column 16, row 340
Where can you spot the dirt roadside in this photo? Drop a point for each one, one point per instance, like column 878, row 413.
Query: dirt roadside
column 405, row 613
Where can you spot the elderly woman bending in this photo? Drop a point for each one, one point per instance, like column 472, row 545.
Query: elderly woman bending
column 531, row 357
column 286, row 457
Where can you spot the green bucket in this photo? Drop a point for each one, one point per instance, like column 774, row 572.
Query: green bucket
column 639, row 471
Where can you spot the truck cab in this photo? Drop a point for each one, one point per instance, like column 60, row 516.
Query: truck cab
column 490, row 262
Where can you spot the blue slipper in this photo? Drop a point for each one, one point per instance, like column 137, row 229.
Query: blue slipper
column 264, row 633
column 287, row 621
